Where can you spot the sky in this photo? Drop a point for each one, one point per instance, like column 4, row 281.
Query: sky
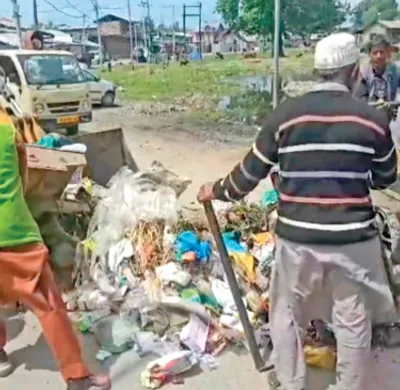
column 71, row 11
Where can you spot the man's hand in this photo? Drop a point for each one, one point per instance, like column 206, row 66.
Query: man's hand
column 382, row 105
column 206, row 193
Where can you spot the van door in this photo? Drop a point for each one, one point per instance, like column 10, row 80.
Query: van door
column 12, row 77
column 96, row 94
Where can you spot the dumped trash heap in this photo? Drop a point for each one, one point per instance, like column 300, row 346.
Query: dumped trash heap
column 148, row 277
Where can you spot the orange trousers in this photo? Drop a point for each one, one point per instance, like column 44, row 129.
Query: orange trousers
column 25, row 276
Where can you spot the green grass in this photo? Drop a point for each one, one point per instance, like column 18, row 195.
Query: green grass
column 199, row 78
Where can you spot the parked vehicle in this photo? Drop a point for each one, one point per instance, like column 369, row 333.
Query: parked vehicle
column 49, row 85
column 102, row 92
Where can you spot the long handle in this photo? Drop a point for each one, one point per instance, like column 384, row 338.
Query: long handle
column 233, row 284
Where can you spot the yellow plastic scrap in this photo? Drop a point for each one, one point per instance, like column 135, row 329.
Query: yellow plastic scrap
column 87, row 185
column 320, row 357
column 262, row 238
column 246, row 263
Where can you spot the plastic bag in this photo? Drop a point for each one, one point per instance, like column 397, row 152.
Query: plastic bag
column 173, row 273
column 115, row 334
column 148, row 342
column 188, row 241
column 223, row 294
column 131, row 197
column 320, row 357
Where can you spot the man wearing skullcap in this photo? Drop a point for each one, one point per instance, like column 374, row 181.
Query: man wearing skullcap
column 331, row 150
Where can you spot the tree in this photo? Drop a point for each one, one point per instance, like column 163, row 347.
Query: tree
column 368, row 12
column 301, row 17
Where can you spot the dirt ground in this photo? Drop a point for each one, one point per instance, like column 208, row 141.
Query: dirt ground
column 203, row 153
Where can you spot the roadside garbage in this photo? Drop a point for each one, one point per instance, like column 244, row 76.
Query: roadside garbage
column 167, row 367
column 148, row 277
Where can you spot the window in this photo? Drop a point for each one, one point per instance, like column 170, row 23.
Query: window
column 9, row 68
column 51, row 69
column 89, row 76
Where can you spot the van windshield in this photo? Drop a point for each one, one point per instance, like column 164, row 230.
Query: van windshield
column 51, row 69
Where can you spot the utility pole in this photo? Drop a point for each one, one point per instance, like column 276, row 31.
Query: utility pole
column 130, row 31
column 83, row 38
column 275, row 92
column 17, row 19
column 172, row 7
column 193, row 15
column 97, row 12
column 35, row 14
column 146, row 4
column 136, row 43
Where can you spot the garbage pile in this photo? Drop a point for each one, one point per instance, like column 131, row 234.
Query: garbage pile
column 149, row 278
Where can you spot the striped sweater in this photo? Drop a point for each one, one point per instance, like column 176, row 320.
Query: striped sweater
column 331, row 150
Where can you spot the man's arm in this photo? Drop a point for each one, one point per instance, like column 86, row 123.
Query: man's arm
column 22, row 159
column 384, row 164
column 255, row 166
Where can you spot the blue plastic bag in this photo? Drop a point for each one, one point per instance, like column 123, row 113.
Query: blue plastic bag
column 189, row 242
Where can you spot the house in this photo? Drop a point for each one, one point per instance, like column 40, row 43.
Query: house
column 208, row 36
column 234, row 42
column 389, row 28
column 8, row 34
column 114, row 31
column 7, row 25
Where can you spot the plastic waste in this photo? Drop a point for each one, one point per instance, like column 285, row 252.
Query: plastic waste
column 269, row 198
column 115, row 334
column 118, row 254
column 195, row 334
column 92, row 299
column 148, row 196
column 160, row 370
column 149, row 343
column 320, row 357
column 188, row 241
column 173, row 273
column 88, row 319
column 223, row 294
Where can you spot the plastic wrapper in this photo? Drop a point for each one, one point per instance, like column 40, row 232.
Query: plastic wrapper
column 148, row 196
column 169, row 366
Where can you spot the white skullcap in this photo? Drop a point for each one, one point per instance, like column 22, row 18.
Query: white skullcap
column 336, row 51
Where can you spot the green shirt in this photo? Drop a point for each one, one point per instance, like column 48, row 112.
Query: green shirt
column 17, row 226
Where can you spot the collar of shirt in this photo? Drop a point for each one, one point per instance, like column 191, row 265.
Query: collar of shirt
column 330, row 86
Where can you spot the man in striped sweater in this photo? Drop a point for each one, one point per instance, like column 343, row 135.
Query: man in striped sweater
column 331, row 150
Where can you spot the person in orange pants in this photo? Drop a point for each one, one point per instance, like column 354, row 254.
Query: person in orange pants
column 25, row 274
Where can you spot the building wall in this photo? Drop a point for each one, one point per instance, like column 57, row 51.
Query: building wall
column 116, row 46
column 114, row 28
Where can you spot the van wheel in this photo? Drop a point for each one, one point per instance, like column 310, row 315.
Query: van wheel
column 108, row 99
column 73, row 130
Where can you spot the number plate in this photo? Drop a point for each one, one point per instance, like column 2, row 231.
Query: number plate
column 68, row 120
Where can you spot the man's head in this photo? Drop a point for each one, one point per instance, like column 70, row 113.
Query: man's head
column 336, row 59
column 380, row 51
